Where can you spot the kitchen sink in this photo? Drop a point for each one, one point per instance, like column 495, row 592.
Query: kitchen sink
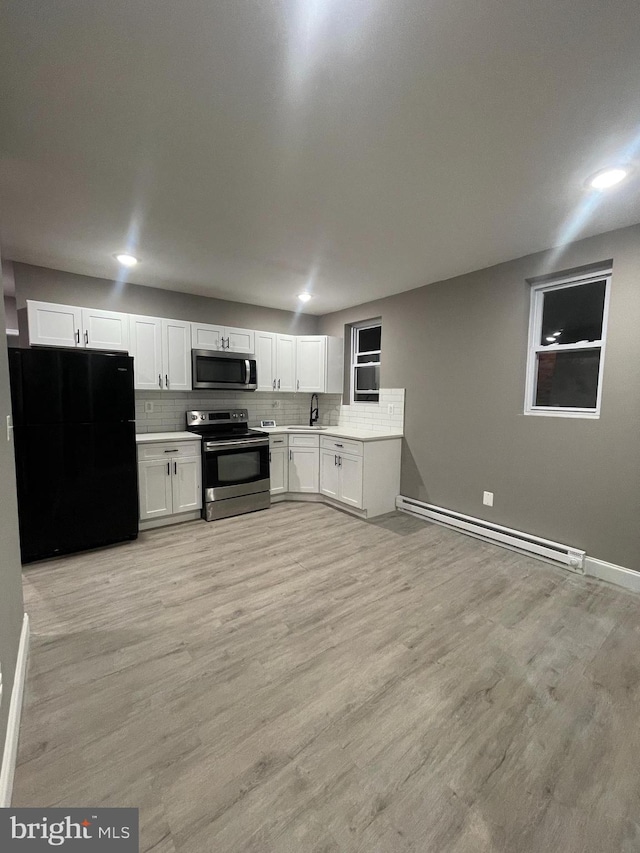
column 310, row 428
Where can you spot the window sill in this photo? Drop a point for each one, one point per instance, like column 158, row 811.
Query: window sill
column 562, row 413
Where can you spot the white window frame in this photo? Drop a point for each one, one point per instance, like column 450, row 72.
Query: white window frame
column 355, row 328
column 535, row 347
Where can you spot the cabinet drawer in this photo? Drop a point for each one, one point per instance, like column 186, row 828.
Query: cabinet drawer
column 345, row 445
column 166, row 450
column 278, row 440
column 304, row 441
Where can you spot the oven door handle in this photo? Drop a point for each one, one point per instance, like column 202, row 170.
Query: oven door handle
column 224, row 445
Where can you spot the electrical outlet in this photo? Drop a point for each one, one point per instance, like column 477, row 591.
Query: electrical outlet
column 487, row 498
column 148, row 407
column 390, row 409
column 276, row 404
column 9, row 428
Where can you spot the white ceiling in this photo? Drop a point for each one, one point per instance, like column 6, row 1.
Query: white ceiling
column 248, row 149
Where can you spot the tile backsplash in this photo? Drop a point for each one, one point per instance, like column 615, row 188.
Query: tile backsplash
column 169, row 409
column 376, row 415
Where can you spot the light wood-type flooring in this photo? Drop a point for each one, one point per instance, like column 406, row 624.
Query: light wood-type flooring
column 300, row 680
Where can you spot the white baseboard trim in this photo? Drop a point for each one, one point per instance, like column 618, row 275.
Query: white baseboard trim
column 10, row 753
column 618, row 575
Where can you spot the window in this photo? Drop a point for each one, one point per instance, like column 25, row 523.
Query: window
column 567, row 332
column 366, row 339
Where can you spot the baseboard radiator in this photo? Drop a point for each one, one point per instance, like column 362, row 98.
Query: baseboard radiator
column 570, row 558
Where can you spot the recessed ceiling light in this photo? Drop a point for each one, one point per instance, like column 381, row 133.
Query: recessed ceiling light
column 304, row 297
column 126, row 260
column 607, row 178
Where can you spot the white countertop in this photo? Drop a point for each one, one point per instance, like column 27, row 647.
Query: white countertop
column 335, row 432
column 148, row 437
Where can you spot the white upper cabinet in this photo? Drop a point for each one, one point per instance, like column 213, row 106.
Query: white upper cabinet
column 54, row 325
column 222, row 338
column 319, row 364
column 176, row 355
column 240, row 340
column 205, row 336
column 285, row 363
column 266, row 361
column 145, row 345
column 161, row 351
column 70, row 326
column 311, row 363
column 106, row 330
column 276, row 361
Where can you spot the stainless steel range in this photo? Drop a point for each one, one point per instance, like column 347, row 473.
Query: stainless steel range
column 235, row 463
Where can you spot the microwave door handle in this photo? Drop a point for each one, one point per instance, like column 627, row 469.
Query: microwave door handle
column 247, row 375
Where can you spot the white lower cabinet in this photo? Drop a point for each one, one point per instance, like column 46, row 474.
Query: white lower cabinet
column 154, row 489
column 304, row 463
column 169, row 481
column 341, row 477
column 279, row 465
column 362, row 476
column 186, row 484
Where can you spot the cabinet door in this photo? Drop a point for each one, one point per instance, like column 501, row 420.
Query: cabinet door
column 187, row 483
column 279, row 470
column 240, row 340
column 329, row 474
column 266, row 361
column 311, row 363
column 350, row 468
column 206, row 336
column 54, row 325
column 145, row 345
column 154, row 489
column 105, row 330
column 303, row 469
column 176, row 355
column 285, row 363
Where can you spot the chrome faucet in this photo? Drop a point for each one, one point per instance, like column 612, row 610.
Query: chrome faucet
column 313, row 413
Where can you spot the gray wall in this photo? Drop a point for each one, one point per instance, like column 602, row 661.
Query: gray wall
column 11, row 312
column 48, row 285
column 11, row 608
column 459, row 349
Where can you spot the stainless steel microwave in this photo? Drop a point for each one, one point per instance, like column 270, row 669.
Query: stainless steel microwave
column 231, row 371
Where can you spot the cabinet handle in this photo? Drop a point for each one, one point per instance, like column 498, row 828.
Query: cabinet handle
column 274, row 384
column 298, row 385
column 339, row 445
column 86, row 338
column 175, row 467
column 278, row 384
column 168, row 469
column 172, row 451
column 339, row 461
column 166, row 379
column 228, row 344
column 160, row 381
column 290, row 456
column 335, row 460
column 77, row 336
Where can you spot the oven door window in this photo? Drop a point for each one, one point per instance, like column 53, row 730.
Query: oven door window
column 232, row 467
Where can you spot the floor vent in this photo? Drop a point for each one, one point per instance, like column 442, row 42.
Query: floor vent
column 570, row 558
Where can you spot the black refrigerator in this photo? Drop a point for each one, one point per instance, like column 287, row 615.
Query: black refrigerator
column 75, row 445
